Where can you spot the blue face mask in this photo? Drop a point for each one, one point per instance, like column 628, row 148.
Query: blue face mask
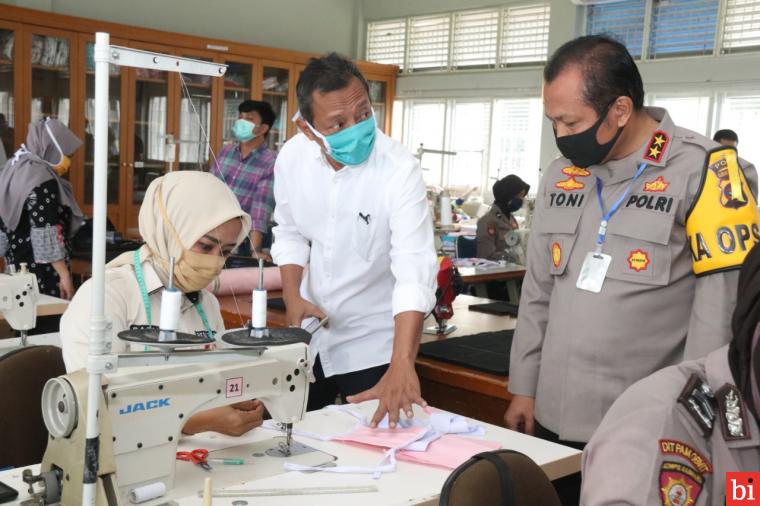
column 242, row 129
column 351, row 146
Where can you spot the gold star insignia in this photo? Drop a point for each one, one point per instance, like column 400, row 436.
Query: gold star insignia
column 659, row 140
column 654, row 152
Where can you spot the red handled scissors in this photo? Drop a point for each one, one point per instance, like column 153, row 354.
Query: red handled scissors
column 197, row 457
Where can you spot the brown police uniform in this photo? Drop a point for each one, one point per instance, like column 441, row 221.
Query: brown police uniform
column 493, row 228
column 576, row 351
column 671, row 438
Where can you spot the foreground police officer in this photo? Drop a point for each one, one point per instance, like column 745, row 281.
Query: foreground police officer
column 672, row 437
column 637, row 233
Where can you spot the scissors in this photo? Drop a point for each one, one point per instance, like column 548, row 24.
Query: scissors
column 197, row 457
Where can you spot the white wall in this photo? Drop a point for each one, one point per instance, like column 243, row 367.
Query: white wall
column 708, row 73
column 305, row 25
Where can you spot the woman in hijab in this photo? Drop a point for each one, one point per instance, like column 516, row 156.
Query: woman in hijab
column 508, row 195
column 194, row 218
column 38, row 212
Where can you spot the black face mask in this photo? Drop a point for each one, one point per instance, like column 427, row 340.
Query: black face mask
column 582, row 149
column 513, row 205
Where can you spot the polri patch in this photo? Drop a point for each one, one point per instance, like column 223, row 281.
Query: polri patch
column 679, row 449
column 570, row 184
column 698, row 399
column 732, row 413
column 638, row 260
column 659, row 185
column 556, row 255
column 576, row 171
column 657, row 145
column 680, row 485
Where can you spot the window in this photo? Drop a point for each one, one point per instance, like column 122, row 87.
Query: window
column 397, row 126
column 741, row 28
column 482, row 38
column 471, row 124
column 475, row 38
column 429, row 43
column 426, row 128
column 741, row 113
column 516, row 141
column 623, row 20
column 683, row 27
column 386, row 42
column 688, row 112
column 525, row 34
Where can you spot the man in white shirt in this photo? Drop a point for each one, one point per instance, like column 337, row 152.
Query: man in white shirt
column 351, row 203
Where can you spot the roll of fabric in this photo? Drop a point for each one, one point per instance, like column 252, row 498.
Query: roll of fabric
column 244, row 280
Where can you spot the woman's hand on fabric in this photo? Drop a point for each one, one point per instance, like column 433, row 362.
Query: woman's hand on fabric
column 397, row 390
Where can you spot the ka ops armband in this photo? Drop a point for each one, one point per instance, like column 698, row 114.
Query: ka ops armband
column 722, row 224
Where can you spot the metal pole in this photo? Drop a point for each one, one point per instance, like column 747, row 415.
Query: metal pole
column 97, row 343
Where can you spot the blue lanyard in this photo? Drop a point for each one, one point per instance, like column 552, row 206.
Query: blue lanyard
column 146, row 299
column 607, row 215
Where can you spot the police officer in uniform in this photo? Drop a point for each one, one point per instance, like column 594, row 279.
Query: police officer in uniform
column 638, row 228
column 508, row 195
column 672, row 437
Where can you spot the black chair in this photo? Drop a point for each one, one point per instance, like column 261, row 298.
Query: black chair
column 467, row 247
column 499, row 478
column 23, row 374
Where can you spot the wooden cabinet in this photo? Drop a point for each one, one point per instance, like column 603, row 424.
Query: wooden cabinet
column 158, row 121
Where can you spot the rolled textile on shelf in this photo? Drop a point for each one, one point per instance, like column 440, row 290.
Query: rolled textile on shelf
column 244, row 280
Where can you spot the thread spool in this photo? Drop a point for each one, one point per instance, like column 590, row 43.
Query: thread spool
column 171, row 302
column 207, row 492
column 259, row 309
column 445, row 210
column 147, row 492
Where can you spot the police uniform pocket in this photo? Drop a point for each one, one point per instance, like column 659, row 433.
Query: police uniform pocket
column 363, row 232
column 560, row 225
column 638, row 240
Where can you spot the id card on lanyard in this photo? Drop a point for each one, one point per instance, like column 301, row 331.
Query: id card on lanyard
column 596, row 263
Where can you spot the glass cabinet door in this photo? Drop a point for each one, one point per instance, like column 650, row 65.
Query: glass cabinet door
column 378, row 95
column 7, row 116
column 114, row 127
column 51, row 75
column 275, row 87
column 194, row 121
column 237, row 88
column 150, row 113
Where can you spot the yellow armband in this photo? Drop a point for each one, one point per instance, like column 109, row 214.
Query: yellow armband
column 722, row 224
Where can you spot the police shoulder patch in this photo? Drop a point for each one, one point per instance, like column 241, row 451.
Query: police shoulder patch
column 722, row 223
column 732, row 413
column 698, row 399
column 680, row 485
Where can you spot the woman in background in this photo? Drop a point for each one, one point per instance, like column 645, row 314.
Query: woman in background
column 38, row 212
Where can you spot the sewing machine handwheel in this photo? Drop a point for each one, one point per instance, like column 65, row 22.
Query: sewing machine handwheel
column 275, row 337
column 150, row 337
column 59, row 407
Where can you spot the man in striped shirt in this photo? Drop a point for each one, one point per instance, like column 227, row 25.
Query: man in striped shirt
column 247, row 166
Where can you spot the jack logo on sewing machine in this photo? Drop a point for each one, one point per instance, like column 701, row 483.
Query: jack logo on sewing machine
column 144, row 406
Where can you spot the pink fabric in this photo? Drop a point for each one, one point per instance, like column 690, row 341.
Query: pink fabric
column 384, row 438
column 449, row 451
column 244, row 280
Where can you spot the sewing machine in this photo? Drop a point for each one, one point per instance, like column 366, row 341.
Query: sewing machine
column 145, row 409
column 517, row 246
column 18, row 300
column 449, row 286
